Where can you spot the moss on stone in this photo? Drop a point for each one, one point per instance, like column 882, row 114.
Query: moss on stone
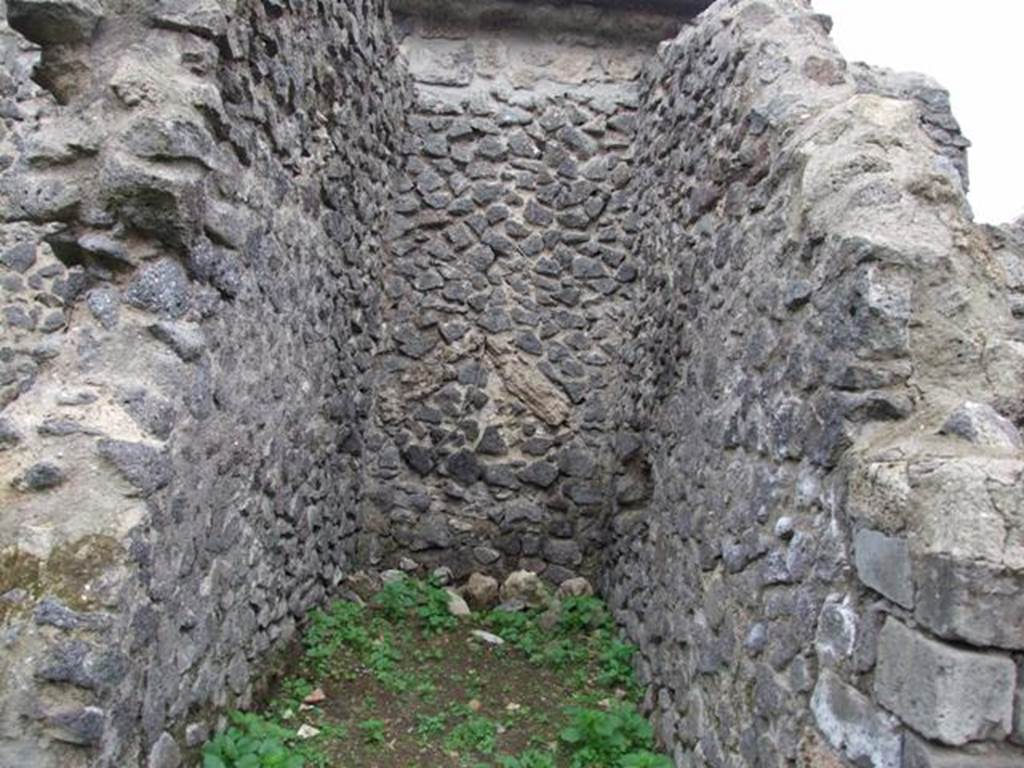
column 66, row 573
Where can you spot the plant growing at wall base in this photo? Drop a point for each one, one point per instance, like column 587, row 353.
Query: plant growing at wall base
column 252, row 742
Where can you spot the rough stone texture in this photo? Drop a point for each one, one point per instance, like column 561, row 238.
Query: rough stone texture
column 918, row 753
column 850, row 722
column 815, row 303
column 508, row 286
column 944, row 693
column 191, row 223
column 883, row 563
column 708, row 322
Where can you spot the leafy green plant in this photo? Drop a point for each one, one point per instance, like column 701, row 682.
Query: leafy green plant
column 645, row 760
column 475, row 734
column 430, row 725
column 580, row 615
column 531, row 758
column 252, row 742
column 602, row 739
column 616, row 659
column 341, row 625
column 373, row 731
column 411, row 597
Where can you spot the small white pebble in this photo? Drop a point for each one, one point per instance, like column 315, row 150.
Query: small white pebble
column 487, row 637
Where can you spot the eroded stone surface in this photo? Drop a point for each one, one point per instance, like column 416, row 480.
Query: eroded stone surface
column 943, row 692
column 708, row 321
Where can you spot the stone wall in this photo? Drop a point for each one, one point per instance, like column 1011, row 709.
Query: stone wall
column 822, row 398
column 722, row 333
column 193, row 199
column 509, row 281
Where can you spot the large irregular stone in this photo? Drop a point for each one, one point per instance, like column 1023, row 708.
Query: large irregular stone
column 853, row 725
column 543, row 399
column 78, row 725
column 54, row 21
column 147, row 468
column 524, row 586
column 883, row 563
column 165, row 753
column 944, row 693
column 970, row 602
column 918, row 753
column 480, row 591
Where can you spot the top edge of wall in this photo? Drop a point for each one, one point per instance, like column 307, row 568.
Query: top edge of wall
column 658, row 18
column 678, row 8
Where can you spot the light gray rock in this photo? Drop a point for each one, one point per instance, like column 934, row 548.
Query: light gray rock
column 575, row 587
column 980, row 424
column 457, row 606
column 186, row 339
column 883, row 563
column 944, row 693
column 165, row 753
column 525, row 586
column 970, row 602
column 855, row 726
column 919, row 753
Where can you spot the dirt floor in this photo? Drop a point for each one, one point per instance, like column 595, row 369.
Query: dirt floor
column 401, row 683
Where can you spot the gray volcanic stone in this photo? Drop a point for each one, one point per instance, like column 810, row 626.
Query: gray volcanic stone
column 145, row 467
column 9, row 435
column 80, row 664
column 918, row 753
column 41, row 477
column 186, row 339
column 165, row 753
column 78, row 725
column 944, row 693
column 161, row 287
column 20, row 257
column 104, row 305
column 492, row 443
column 464, row 467
column 982, row 425
column 883, row 563
column 970, row 602
column 54, row 21
column 540, row 473
column 419, row 458
column 853, row 725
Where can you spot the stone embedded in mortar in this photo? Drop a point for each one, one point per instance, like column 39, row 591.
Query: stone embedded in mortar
column 944, row 693
column 918, row 753
column 853, row 725
column 980, row 424
column 54, row 21
column 883, row 563
column 40, row 477
column 143, row 466
column 970, row 602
